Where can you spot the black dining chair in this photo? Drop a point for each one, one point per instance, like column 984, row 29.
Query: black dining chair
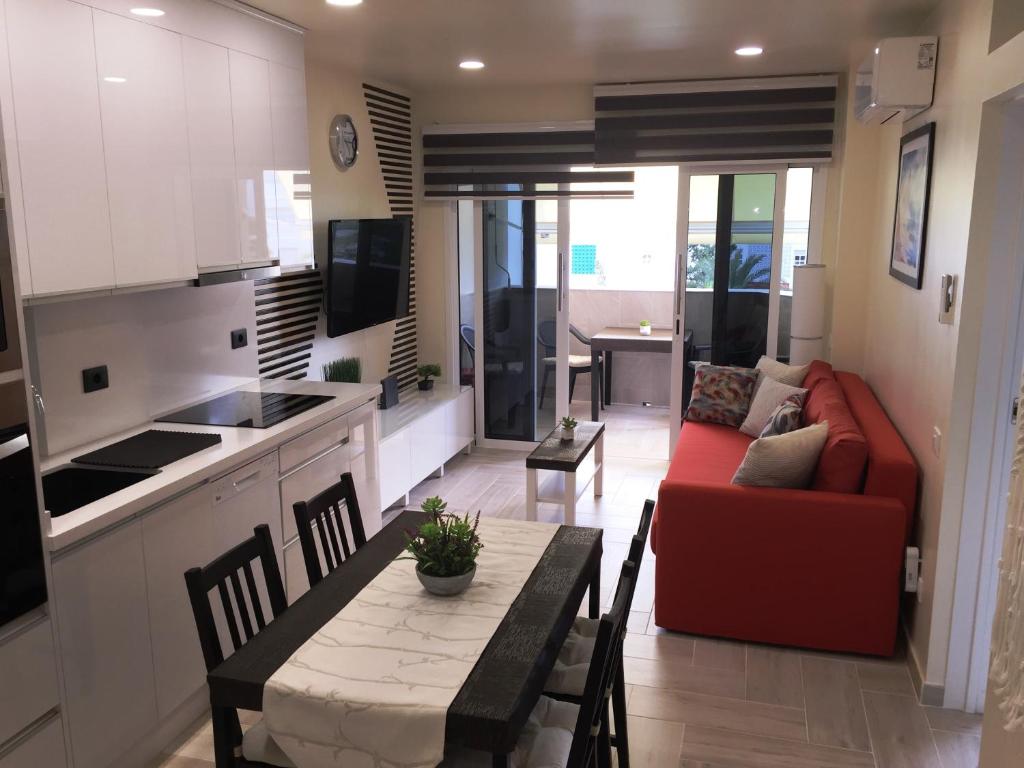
column 578, row 364
column 565, row 682
column 243, row 611
column 321, row 517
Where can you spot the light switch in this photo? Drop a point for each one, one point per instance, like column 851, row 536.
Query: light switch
column 947, row 298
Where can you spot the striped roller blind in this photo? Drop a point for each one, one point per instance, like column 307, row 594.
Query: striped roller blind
column 523, row 162
column 785, row 119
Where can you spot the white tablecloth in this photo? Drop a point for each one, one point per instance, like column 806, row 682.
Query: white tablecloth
column 372, row 688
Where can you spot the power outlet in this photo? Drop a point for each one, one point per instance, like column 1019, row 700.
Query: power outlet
column 239, row 338
column 95, row 379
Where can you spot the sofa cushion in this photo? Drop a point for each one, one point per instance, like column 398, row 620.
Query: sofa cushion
column 721, row 395
column 784, row 419
column 793, row 375
column 841, row 466
column 770, row 394
column 707, row 453
column 819, row 371
column 783, row 461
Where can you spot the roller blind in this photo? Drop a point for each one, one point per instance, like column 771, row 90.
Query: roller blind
column 516, row 162
column 782, row 119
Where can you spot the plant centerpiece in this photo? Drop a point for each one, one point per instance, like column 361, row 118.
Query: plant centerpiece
column 445, row 549
column 568, row 424
column 645, row 327
column 346, row 369
column 426, row 372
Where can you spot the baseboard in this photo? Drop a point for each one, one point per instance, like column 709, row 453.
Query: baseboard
column 151, row 750
column 929, row 694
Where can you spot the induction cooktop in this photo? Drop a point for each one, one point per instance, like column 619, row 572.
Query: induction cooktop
column 257, row 410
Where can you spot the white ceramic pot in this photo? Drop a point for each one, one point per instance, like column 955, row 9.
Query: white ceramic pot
column 446, row 586
column 568, row 434
column 645, row 330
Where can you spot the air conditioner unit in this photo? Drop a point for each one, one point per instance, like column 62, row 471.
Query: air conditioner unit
column 897, row 80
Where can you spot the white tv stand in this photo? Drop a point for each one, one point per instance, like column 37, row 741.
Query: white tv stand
column 419, row 435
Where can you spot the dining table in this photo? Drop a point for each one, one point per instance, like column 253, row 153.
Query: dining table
column 491, row 707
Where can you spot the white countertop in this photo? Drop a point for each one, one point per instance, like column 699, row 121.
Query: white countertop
column 413, row 403
column 238, row 446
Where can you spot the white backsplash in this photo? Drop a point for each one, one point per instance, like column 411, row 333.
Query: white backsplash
column 163, row 348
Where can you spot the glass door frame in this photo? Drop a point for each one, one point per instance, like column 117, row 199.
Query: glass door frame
column 686, row 172
column 561, row 328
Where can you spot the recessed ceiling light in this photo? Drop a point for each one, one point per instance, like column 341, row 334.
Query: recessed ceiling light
column 115, row 79
column 345, row 3
column 471, row 64
column 750, row 50
column 151, row 12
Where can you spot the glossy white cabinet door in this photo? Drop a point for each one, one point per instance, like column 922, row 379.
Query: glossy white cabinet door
column 212, row 150
column 60, row 146
column 363, row 430
column 175, row 537
column 395, row 474
column 145, row 137
column 106, row 651
column 254, row 155
column 45, row 747
column 427, row 444
column 291, row 166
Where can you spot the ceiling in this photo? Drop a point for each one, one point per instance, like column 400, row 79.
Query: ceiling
column 419, row 43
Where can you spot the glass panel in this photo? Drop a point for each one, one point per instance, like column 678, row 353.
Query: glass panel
column 794, row 246
column 546, row 249
column 745, row 332
column 467, row 293
column 700, row 265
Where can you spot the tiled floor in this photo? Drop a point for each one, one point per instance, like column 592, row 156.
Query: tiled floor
column 706, row 703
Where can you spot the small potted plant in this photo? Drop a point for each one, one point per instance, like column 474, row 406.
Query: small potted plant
column 346, row 369
column 445, row 549
column 568, row 424
column 426, row 372
column 645, row 327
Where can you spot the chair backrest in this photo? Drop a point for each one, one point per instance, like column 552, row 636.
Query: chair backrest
column 468, row 337
column 580, row 335
column 603, row 667
column 639, row 542
column 321, row 518
column 244, row 617
column 547, row 336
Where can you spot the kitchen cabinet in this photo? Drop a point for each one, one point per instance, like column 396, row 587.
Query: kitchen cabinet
column 59, row 147
column 28, row 667
column 145, row 140
column 428, row 444
column 254, row 155
column 363, row 464
column 42, row 747
column 291, row 166
column 395, row 478
column 212, row 150
column 99, row 594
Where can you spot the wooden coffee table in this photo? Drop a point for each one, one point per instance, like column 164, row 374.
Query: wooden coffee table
column 563, row 458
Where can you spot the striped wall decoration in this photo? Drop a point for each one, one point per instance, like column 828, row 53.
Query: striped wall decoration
column 784, row 119
column 516, row 161
column 391, row 120
column 287, row 308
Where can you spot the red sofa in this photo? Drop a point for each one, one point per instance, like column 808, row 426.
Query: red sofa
column 817, row 568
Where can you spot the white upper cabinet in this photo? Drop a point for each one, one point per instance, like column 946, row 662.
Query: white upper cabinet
column 212, row 148
column 291, row 158
column 254, row 156
column 59, row 146
column 145, row 137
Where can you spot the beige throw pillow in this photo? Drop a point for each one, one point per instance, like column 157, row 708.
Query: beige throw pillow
column 793, row 375
column 770, row 394
column 783, row 461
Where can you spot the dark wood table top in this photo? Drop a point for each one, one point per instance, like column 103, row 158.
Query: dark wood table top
column 619, row 339
column 565, row 455
column 490, row 710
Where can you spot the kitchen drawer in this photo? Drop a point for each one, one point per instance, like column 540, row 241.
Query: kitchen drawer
column 43, row 748
column 305, row 483
column 313, row 443
column 395, row 479
column 28, row 668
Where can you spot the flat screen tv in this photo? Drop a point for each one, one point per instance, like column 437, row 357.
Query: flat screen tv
column 367, row 273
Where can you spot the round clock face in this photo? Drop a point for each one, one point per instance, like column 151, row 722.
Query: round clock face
column 344, row 142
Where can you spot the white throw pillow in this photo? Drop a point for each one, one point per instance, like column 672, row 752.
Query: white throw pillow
column 783, row 461
column 770, row 394
column 786, row 374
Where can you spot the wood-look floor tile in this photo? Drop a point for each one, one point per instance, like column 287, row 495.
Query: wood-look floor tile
column 885, row 677
column 654, row 743
column 899, row 732
column 774, row 676
column 637, row 622
column 835, row 712
column 181, row 761
column 953, row 720
column 713, row 711
column 682, row 676
column 721, row 654
column 713, row 746
column 957, row 750
column 665, row 646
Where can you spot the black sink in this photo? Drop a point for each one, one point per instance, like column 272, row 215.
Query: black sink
column 68, row 488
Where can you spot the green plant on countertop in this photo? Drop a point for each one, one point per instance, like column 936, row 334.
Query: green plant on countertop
column 428, row 370
column 645, row 323
column 446, row 545
column 568, row 422
column 347, row 369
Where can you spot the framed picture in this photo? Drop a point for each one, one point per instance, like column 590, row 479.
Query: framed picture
column 906, row 262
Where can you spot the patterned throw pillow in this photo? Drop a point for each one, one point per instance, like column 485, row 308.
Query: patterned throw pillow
column 721, row 395
column 785, row 418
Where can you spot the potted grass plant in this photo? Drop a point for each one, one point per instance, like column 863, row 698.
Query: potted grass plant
column 445, row 549
column 346, row 369
column 645, row 327
column 426, row 372
column 568, row 425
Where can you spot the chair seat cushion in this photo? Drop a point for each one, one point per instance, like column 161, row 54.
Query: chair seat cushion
column 575, row 361
column 258, row 746
column 545, row 741
column 569, row 676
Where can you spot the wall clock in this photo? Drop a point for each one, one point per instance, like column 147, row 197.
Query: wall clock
column 344, row 142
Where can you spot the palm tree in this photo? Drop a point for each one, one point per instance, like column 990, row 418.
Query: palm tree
column 748, row 271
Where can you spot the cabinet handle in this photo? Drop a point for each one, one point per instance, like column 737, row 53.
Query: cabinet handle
column 246, row 481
